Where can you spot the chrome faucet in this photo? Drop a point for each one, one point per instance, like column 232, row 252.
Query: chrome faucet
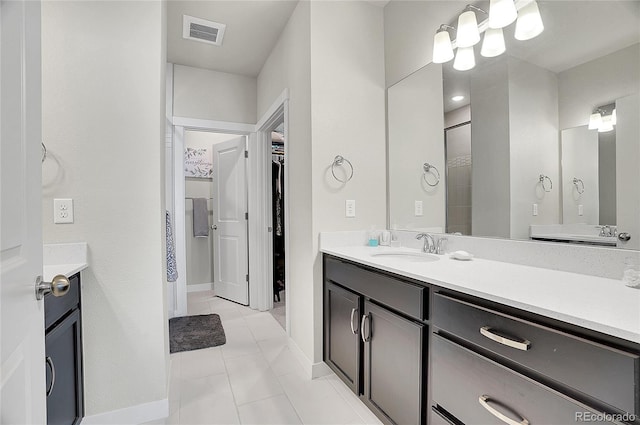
column 429, row 243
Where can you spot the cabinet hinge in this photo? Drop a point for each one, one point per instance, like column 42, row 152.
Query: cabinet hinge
column 246, row 154
column 247, row 277
column 246, row 216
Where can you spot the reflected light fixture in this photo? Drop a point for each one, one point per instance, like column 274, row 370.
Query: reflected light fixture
column 502, row 13
column 529, row 23
column 595, row 121
column 468, row 34
column 607, row 124
column 614, row 117
column 493, row 43
column 442, row 47
column 465, row 59
column 457, row 98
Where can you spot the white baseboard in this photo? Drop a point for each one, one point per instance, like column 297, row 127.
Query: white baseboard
column 200, row 287
column 312, row 370
column 137, row 414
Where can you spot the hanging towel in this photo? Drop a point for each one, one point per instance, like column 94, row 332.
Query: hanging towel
column 200, row 218
column 172, row 269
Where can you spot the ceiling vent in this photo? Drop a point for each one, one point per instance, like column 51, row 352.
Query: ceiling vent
column 202, row 30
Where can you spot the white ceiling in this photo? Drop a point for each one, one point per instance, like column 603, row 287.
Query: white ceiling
column 575, row 32
column 253, row 28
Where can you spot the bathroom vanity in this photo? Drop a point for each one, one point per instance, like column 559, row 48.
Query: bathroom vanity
column 480, row 342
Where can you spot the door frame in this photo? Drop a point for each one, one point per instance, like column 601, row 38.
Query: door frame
column 180, row 125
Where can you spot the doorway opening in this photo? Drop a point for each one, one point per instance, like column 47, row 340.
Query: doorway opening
column 278, row 222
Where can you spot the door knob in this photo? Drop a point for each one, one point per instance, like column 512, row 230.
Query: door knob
column 58, row 286
column 214, row 227
column 624, row 236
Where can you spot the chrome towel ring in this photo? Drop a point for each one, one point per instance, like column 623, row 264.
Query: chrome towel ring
column 430, row 169
column 339, row 161
column 579, row 184
column 44, row 152
column 543, row 180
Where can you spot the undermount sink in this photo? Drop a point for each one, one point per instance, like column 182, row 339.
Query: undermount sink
column 413, row 256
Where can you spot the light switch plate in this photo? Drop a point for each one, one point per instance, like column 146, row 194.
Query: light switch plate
column 535, row 209
column 580, row 209
column 418, row 211
column 350, row 208
column 63, row 211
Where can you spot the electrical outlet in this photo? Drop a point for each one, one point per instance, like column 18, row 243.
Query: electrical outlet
column 418, row 208
column 581, row 210
column 63, row 211
column 350, row 208
column 535, row 209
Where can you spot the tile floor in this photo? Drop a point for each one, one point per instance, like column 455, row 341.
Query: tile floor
column 279, row 310
column 254, row 378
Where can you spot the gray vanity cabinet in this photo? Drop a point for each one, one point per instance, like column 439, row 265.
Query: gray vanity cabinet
column 63, row 351
column 342, row 347
column 392, row 365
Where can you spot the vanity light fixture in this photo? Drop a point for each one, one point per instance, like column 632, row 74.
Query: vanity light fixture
column 529, row 23
column 603, row 118
column 468, row 34
column 614, row 117
column 607, row 124
column 442, row 47
column 457, row 98
column 595, row 121
column 493, row 43
column 465, row 59
column 502, row 13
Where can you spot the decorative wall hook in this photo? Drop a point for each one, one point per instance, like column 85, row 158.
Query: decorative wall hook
column 339, row 161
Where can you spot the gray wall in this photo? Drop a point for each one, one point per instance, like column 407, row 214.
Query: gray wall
column 607, row 176
column 580, row 160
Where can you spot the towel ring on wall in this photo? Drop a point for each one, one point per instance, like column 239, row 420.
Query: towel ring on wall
column 339, row 161
column 44, row 152
column 430, row 169
column 543, row 180
column 579, row 184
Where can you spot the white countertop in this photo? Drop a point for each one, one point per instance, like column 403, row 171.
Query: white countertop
column 600, row 304
column 63, row 258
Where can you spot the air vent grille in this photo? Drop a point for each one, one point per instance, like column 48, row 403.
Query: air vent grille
column 202, row 30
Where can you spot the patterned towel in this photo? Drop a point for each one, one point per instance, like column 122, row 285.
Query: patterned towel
column 172, row 270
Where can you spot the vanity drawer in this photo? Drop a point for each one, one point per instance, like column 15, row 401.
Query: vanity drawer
column 607, row 374
column 400, row 295
column 57, row 307
column 477, row 391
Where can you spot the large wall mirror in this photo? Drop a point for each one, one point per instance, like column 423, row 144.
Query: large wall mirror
column 505, row 150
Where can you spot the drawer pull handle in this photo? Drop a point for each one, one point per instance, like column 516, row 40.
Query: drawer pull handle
column 519, row 345
column 53, row 375
column 365, row 334
column 353, row 329
column 484, row 402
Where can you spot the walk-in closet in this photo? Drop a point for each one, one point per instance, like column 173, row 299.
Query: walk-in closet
column 278, row 225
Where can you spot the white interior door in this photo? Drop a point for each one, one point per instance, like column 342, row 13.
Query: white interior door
column 230, row 247
column 22, row 354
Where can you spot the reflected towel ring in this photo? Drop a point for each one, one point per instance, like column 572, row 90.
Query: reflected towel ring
column 44, row 152
column 428, row 168
column 579, row 184
column 543, row 180
column 339, row 160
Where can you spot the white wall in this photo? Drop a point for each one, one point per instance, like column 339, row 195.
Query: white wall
column 199, row 250
column 103, row 123
column 289, row 66
column 580, row 160
column 212, row 95
column 607, row 177
column 597, row 83
column 416, row 121
column 534, row 146
column 348, row 118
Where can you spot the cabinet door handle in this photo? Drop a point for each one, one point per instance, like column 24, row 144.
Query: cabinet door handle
column 353, row 313
column 519, row 345
column 484, row 402
column 365, row 334
column 53, row 375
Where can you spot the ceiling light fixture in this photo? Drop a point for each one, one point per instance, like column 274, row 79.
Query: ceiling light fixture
column 502, row 13
column 442, row 47
column 493, row 43
column 468, row 34
column 465, row 59
column 457, row 98
column 529, row 23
